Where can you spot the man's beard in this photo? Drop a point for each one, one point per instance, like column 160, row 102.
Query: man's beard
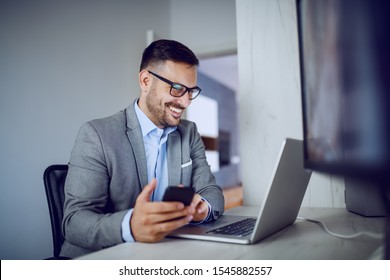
column 159, row 110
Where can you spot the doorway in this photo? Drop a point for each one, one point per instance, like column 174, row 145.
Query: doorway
column 216, row 113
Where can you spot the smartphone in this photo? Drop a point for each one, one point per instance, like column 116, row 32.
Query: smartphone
column 181, row 194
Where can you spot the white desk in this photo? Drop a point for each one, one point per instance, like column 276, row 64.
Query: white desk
column 303, row 241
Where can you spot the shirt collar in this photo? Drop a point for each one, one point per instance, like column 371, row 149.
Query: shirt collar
column 146, row 124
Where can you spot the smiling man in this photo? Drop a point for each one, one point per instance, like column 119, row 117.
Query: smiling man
column 121, row 165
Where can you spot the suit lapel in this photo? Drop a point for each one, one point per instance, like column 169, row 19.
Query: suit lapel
column 174, row 158
column 134, row 134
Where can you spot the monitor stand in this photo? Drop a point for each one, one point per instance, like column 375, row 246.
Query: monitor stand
column 386, row 196
column 371, row 198
column 364, row 198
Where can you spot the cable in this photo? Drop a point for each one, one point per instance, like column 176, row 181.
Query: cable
column 369, row 234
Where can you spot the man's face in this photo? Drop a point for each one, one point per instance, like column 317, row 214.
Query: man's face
column 156, row 101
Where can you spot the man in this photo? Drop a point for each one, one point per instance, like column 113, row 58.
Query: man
column 120, row 165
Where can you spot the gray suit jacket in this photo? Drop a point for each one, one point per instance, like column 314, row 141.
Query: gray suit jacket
column 107, row 171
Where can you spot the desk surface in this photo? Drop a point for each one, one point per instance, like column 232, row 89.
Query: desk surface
column 303, row 241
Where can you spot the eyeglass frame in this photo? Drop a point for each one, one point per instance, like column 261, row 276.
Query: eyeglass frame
column 172, row 84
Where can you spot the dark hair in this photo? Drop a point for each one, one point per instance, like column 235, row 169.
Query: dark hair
column 162, row 50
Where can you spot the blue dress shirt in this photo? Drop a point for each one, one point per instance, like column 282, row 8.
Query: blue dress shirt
column 155, row 142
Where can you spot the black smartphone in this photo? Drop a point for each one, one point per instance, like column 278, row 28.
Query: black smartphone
column 181, row 194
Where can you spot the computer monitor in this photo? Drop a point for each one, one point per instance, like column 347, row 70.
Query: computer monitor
column 344, row 50
column 345, row 75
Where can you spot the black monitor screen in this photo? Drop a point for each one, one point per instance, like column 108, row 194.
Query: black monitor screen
column 345, row 77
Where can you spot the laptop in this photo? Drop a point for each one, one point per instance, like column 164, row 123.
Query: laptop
column 279, row 209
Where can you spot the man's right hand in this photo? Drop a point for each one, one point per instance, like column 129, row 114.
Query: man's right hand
column 152, row 221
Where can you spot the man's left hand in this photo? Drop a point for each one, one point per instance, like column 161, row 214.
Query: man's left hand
column 201, row 208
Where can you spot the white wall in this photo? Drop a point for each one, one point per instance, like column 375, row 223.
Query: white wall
column 63, row 63
column 270, row 98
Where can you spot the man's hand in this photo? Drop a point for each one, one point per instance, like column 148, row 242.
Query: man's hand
column 201, row 208
column 152, row 221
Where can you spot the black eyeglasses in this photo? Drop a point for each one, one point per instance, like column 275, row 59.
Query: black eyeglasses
column 178, row 90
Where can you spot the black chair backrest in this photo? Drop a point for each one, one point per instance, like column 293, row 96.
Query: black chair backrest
column 54, row 179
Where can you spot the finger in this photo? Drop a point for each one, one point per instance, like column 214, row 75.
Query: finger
column 157, row 218
column 157, row 232
column 196, row 200
column 147, row 191
column 163, row 207
column 203, row 207
column 169, row 226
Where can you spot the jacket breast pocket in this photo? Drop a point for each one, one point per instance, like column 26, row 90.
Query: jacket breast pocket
column 186, row 172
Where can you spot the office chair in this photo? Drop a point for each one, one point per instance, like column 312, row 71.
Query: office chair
column 54, row 179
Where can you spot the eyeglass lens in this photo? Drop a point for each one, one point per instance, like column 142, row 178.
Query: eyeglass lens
column 179, row 90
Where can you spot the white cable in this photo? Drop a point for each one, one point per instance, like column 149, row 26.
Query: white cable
column 369, row 234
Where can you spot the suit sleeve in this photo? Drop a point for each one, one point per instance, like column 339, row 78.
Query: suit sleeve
column 88, row 221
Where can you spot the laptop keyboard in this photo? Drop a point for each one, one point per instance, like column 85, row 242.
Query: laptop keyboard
column 240, row 228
